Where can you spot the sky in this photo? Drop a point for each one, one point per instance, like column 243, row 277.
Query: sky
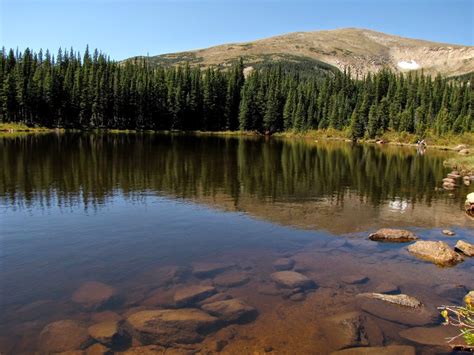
column 124, row 28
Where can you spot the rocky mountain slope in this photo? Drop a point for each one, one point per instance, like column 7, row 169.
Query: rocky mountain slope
column 362, row 50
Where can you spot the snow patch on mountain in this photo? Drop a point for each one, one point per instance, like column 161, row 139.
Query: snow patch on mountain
column 408, row 65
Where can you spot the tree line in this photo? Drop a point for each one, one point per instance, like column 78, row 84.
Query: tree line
column 91, row 91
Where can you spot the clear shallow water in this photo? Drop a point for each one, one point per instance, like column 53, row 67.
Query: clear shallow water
column 120, row 209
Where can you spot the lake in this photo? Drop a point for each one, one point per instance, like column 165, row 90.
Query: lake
column 98, row 227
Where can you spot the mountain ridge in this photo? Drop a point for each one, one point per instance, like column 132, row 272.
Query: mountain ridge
column 361, row 50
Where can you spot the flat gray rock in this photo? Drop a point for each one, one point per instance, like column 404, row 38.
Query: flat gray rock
column 292, row 279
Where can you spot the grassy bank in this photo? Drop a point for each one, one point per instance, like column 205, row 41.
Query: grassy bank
column 461, row 163
column 389, row 137
column 397, row 138
column 20, row 127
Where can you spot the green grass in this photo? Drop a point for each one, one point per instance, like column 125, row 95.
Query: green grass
column 461, row 163
column 21, row 127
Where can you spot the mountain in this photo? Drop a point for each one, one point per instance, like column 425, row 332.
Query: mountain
column 362, row 50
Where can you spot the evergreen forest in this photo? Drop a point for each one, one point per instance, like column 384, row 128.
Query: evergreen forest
column 91, row 91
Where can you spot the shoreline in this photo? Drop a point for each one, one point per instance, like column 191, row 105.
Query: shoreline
column 400, row 139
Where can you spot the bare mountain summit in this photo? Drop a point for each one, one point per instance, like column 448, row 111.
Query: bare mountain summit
column 362, row 50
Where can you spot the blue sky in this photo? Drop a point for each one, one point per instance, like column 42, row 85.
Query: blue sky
column 123, row 28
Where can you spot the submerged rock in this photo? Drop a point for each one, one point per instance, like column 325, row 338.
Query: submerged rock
column 169, row 326
column 464, row 152
column 393, row 235
column 64, row 335
column 397, row 313
column 350, row 330
column 98, row 349
column 448, row 232
column 204, row 270
column 436, row 252
column 429, row 336
column 94, row 295
column 283, row 264
column 387, row 288
column 268, row 290
column 231, row 279
column 231, row 311
column 297, row 297
column 378, row 350
column 215, row 298
column 401, row 300
column 464, row 247
column 354, row 279
column 105, row 316
column 189, row 295
column 145, row 350
column 292, row 279
column 453, row 292
column 108, row 333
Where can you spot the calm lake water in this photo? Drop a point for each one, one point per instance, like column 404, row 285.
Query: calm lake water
column 141, row 213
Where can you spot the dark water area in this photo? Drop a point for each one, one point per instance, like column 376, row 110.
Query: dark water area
column 96, row 227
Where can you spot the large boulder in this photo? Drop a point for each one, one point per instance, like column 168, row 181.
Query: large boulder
column 378, row 350
column 292, row 279
column 170, row 326
column 94, row 295
column 231, row 311
column 393, row 235
column 464, row 247
column 350, row 330
column 438, row 253
column 64, row 335
column 283, row 264
column 190, row 295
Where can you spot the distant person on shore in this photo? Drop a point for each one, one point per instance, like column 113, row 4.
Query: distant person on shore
column 421, row 147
